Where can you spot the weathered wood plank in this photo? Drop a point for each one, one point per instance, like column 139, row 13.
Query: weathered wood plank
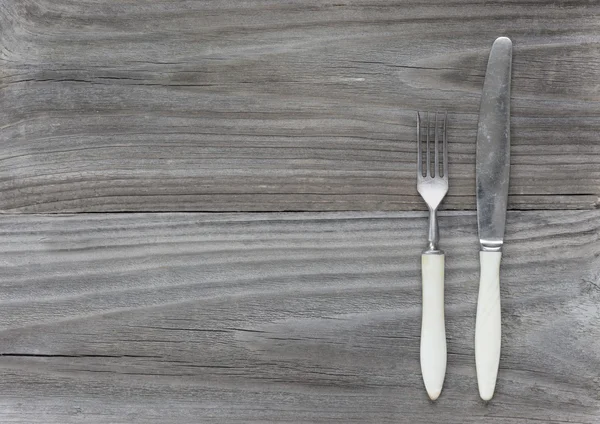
column 279, row 106
column 187, row 318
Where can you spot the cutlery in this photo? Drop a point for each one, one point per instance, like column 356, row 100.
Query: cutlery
column 432, row 185
column 492, row 174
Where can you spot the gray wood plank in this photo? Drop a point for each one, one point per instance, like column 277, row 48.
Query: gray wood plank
column 280, row 106
column 187, row 318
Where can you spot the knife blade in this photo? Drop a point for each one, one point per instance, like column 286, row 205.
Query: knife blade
column 492, row 178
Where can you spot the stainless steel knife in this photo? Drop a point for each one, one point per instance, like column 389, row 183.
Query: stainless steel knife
column 492, row 170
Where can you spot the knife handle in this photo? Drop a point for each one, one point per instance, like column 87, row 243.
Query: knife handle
column 433, row 331
column 487, row 326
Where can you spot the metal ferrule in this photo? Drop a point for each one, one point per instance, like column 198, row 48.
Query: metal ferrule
column 491, row 246
column 433, row 237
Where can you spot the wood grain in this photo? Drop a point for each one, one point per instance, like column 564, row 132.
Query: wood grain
column 284, row 106
column 258, row 318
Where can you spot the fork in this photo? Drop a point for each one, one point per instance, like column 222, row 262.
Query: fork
column 432, row 185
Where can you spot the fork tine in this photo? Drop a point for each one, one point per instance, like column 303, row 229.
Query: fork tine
column 428, row 162
column 436, row 161
column 445, row 165
column 419, row 148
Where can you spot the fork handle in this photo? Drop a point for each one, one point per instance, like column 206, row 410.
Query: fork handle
column 487, row 326
column 433, row 331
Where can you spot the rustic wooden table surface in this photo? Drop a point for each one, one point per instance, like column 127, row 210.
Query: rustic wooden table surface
column 209, row 211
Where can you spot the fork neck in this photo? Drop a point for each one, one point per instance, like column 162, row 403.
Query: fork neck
column 433, row 236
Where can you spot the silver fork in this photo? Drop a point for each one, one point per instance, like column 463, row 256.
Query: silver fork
column 432, row 185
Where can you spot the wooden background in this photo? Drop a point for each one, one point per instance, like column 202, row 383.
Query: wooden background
column 139, row 139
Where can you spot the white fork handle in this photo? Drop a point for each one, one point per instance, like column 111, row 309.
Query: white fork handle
column 487, row 327
column 433, row 331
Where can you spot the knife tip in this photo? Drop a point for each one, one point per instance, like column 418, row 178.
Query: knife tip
column 503, row 41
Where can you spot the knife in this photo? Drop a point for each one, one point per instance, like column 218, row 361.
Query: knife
column 492, row 174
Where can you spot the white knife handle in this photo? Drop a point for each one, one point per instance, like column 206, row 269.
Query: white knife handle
column 433, row 331
column 487, row 327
